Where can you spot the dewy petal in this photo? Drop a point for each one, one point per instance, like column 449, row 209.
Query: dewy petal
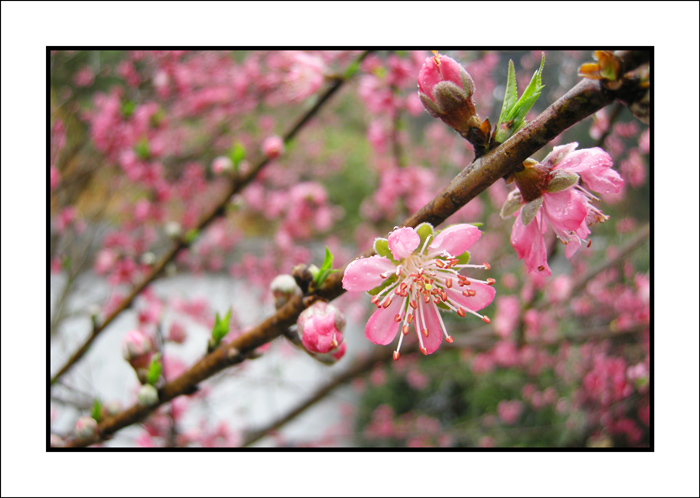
column 484, row 296
column 402, row 242
column 381, row 327
column 595, row 168
column 528, row 242
column 455, row 240
column 365, row 274
column 432, row 323
column 565, row 210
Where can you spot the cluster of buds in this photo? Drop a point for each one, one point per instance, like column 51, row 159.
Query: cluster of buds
column 138, row 350
column 320, row 327
column 446, row 91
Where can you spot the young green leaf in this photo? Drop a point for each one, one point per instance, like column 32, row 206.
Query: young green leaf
column 97, row 410
column 237, row 154
column 221, row 327
column 154, row 370
column 511, row 95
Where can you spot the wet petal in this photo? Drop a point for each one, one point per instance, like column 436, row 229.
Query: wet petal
column 402, row 242
column 565, row 210
column 365, row 274
column 455, row 239
column 528, row 242
column 484, row 296
column 595, row 167
column 381, row 327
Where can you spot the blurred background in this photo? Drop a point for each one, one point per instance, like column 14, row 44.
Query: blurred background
column 143, row 146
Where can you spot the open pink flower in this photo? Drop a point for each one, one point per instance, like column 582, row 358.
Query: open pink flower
column 415, row 274
column 549, row 196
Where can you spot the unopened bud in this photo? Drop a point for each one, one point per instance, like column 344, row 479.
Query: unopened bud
column 283, row 287
column 148, row 395
column 321, row 327
column 111, row 408
column 86, row 427
column 273, row 147
column 446, row 91
column 173, row 229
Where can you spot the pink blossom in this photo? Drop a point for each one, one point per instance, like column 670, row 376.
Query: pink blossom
column 509, row 411
column 137, row 349
column 507, row 316
column 550, row 197
column 273, row 147
column 321, row 327
column 221, row 164
column 416, row 272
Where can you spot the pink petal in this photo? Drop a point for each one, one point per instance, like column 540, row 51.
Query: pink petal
column 429, row 313
column 557, row 155
column 594, row 165
column 381, row 327
column 455, row 239
column 484, row 296
column 402, row 242
column 528, row 242
column 365, row 274
column 565, row 210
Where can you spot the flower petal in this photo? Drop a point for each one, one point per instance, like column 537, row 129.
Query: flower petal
column 595, row 167
column 402, row 242
column 381, row 327
column 455, row 239
column 528, row 242
column 565, row 210
column 365, row 274
column 483, row 297
column 429, row 313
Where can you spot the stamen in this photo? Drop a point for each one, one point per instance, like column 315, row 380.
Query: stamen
column 386, row 303
column 487, row 266
column 540, row 268
column 424, row 351
column 490, row 281
column 404, row 330
column 460, row 312
column 413, row 304
column 448, row 283
column 425, row 332
column 396, row 356
column 397, row 318
column 486, row 319
column 410, row 318
column 439, row 263
column 449, row 339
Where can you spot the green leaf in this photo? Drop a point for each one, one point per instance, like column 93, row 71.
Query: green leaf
column 128, row 108
column 513, row 113
column 191, row 236
column 154, row 370
column 237, row 154
column 327, row 260
column 142, row 149
column 97, row 410
column 352, row 69
column 221, row 327
column 326, row 269
column 510, row 96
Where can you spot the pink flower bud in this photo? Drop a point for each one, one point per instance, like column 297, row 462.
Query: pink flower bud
column 86, row 427
column 273, row 147
column 446, row 90
column 148, row 395
column 321, row 327
column 137, row 349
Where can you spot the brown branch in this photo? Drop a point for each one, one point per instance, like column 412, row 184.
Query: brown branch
column 580, row 102
column 218, row 210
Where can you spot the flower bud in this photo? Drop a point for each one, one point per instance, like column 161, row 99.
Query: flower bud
column 148, row 395
column 173, row 229
column 86, row 427
column 138, row 349
column 273, row 147
column 446, row 90
column 283, row 287
column 221, row 165
column 111, row 408
column 332, row 357
column 321, row 327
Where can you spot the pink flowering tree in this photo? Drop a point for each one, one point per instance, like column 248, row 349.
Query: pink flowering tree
column 457, row 241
